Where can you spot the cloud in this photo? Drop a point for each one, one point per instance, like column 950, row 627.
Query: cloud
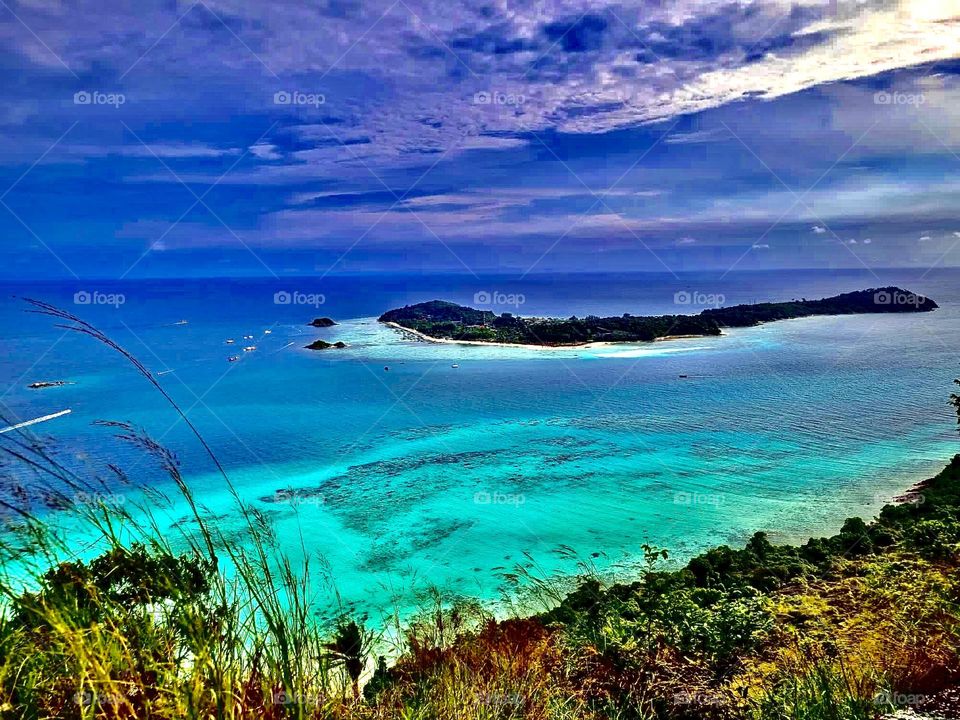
column 166, row 151
column 488, row 142
column 265, row 151
column 731, row 29
column 700, row 136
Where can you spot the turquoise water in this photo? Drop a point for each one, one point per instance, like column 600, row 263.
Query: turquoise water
column 426, row 474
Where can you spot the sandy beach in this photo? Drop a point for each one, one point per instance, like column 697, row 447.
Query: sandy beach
column 583, row 346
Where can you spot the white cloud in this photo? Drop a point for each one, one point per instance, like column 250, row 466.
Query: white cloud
column 136, row 149
column 486, row 142
column 265, row 151
column 699, row 136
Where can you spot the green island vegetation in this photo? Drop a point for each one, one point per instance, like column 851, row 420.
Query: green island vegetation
column 324, row 345
column 449, row 321
column 849, row 627
column 322, row 322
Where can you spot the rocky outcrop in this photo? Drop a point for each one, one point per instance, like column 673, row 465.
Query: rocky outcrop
column 324, row 345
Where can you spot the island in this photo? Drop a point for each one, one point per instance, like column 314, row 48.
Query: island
column 321, row 322
column 48, row 384
column 441, row 321
column 324, row 345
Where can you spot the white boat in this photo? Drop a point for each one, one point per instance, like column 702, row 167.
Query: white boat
column 454, row 365
column 27, row 423
column 250, row 348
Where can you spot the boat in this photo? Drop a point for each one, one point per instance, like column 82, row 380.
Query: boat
column 27, row 423
column 386, row 367
column 180, row 322
column 250, row 348
column 455, row 365
column 267, row 332
column 48, row 384
column 683, row 377
column 233, row 358
column 229, row 341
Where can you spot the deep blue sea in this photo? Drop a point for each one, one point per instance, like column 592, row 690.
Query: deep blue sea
column 429, row 474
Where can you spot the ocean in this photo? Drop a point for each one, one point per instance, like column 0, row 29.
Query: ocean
column 403, row 466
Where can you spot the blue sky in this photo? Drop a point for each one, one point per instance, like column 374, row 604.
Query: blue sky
column 229, row 137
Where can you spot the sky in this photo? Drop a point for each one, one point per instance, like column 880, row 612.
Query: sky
column 232, row 137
